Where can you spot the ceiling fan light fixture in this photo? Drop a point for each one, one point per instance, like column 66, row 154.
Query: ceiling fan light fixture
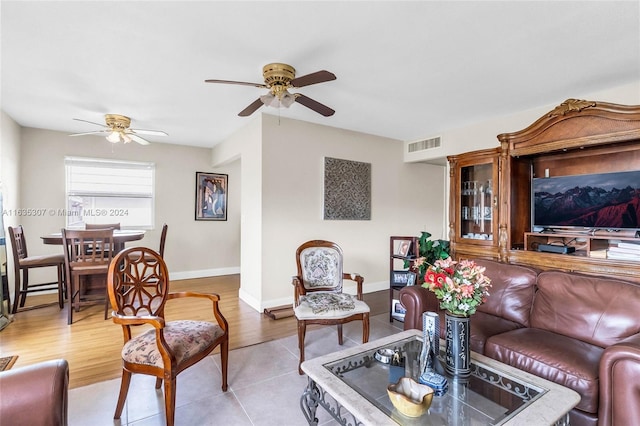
column 282, row 99
column 114, row 137
column 287, row 100
column 270, row 100
column 126, row 138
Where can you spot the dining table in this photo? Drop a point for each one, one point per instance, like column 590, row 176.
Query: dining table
column 96, row 284
column 120, row 237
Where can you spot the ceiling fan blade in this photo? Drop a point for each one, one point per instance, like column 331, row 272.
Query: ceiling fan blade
column 313, row 78
column 97, row 132
column 251, row 108
column 240, row 83
column 314, row 105
column 150, row 132
column 138, row 139
column 90, row 122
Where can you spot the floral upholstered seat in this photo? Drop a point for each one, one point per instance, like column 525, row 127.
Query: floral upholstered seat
column 138, row 284
column 318, row 291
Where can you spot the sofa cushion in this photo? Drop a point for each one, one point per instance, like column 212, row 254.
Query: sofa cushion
column 511, row 292
column 596, row 310
column 560, row 359
column 484, row 326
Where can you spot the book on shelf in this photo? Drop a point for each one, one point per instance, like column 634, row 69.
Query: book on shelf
column 629, row 246
column 612, row 254
column 624, row 250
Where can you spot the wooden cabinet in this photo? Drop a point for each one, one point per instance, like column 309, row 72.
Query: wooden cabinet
column 596, row 245
column 474, row 201
column 577, row 137
column 403, row 251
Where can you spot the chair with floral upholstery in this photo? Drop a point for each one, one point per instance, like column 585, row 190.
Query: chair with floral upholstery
column 138, row 283
column 318, row 297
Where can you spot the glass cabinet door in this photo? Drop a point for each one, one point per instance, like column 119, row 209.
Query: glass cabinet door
column 477, row 205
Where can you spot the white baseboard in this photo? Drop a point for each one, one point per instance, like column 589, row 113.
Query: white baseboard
column 203, row 273
column 250, row 300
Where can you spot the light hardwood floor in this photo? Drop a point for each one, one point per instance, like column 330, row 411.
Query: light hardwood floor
column 92, row 345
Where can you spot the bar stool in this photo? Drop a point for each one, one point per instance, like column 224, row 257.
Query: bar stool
column 22, row 262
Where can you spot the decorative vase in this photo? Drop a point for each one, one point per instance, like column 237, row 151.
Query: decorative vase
column 458, row 352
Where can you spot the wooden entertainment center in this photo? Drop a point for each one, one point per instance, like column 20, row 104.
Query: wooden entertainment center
column 490, row 199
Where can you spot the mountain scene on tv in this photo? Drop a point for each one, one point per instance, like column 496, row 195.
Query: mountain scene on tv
column 601, row 201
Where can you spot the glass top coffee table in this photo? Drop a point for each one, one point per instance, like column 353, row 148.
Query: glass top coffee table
column 352, row 386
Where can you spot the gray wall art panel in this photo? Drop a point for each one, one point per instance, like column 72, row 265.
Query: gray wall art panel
column 347, row 190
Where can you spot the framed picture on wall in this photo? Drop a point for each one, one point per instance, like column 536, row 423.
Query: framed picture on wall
column 211, row 196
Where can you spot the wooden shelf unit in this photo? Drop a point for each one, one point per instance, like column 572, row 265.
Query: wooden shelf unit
column 577, row 137
column 585, row 244
column 398, row 273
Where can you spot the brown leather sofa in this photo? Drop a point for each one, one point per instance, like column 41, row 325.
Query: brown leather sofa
column 35, row 395
column 580, row 331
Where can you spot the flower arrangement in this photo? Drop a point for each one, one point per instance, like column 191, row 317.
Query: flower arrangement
column 460, row 286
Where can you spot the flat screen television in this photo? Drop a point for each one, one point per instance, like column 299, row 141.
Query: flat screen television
column 608, row 201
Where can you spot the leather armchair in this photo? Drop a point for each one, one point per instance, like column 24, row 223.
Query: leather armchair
column 619, row 384
column 35, row 394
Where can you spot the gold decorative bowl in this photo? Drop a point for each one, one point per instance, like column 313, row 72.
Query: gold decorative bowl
column 410, row 397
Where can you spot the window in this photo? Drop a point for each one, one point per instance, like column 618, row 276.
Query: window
column 108, row 191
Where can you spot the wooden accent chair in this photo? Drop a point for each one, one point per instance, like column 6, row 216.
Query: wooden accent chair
column 87, row 253
column 318, row 297
column 138, row 283
column 22, row 263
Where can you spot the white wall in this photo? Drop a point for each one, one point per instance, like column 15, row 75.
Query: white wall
column 9, row 165
column 9, row 178
column 282, row 184
column 245, row 147
column 193, row 248
column 484, row 134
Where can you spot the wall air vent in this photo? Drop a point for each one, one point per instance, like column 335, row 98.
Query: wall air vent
column 424, row 144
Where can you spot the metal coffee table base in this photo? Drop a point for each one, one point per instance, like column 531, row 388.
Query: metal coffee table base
column 313, row 396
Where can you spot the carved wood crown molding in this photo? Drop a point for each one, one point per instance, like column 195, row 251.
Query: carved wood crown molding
column 569, row 105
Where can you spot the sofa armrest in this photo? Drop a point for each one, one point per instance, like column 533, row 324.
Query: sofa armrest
column 620, row 383
column 35, row 394
column 416, row 300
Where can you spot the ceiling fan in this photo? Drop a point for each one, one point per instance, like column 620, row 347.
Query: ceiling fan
column 117, row 130
column 279, row 78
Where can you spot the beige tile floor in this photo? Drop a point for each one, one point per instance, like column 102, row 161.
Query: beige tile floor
column 264, row 386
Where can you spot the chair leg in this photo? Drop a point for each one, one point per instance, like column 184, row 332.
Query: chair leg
column 302, row 330
column 19, row 287
column 124, row 389
column 340, row 339
column 365, row 328
column 158, row 383
column 25, row 287
column 224, row 360
column 71, row 296
column 16, row 292
column 60, row 287
column 170, row 400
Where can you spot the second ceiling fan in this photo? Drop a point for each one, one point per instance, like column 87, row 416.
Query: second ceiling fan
column 278, row 79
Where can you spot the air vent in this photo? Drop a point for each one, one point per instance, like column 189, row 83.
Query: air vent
column 424, row 144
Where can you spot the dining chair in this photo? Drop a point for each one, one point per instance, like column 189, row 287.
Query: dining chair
column 163, row 239
column 138, row 285
column 318, row 296
column 87, row 254
column 22, row 263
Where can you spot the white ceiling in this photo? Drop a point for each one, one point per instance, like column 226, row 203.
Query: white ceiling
column 405, row 70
